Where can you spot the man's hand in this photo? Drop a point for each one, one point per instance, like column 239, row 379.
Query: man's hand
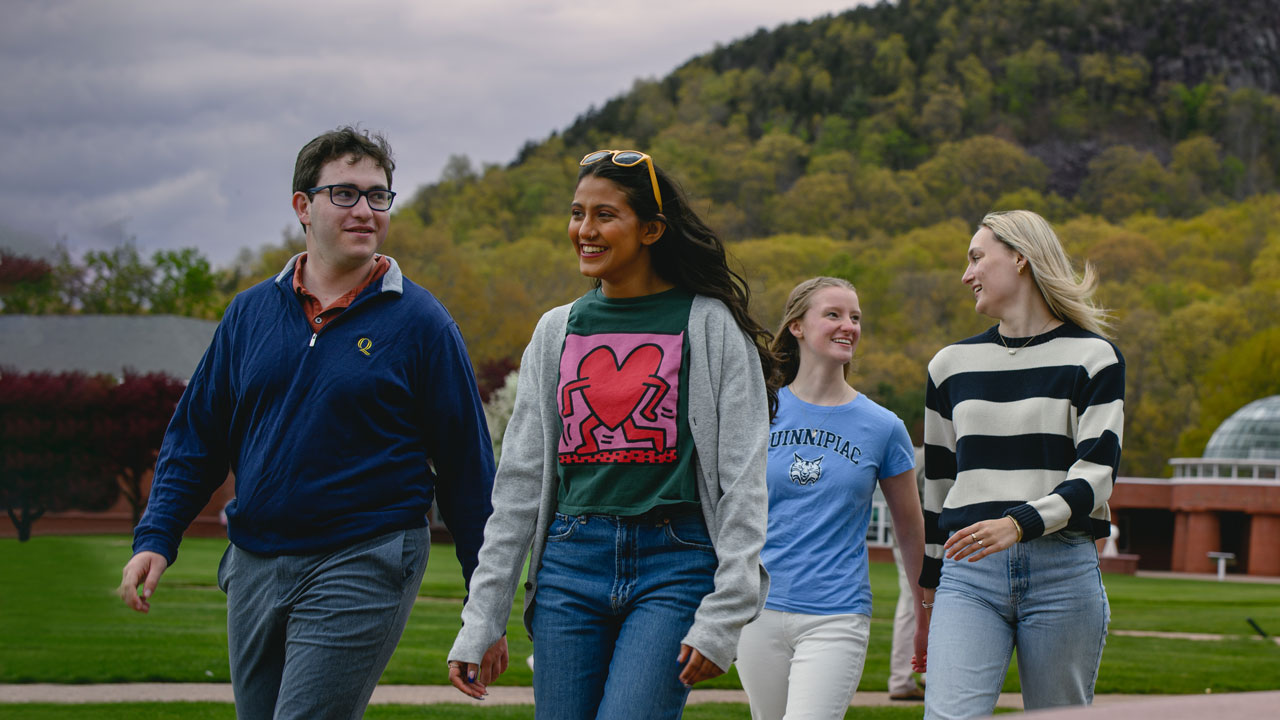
column 143, row 569
column 697, row 668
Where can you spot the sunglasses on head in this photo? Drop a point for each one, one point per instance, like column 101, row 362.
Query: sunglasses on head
column 626, row 158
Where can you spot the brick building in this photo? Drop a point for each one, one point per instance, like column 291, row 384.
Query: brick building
column 1226, row 502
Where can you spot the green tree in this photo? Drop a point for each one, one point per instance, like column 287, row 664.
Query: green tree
column 183, row 283
column 977, row 88
column 118, row 281
column 966, row 177
column 1123, row 181
column 1241, row 374
column 1184, row 111
column 1032, row 78
column 1197, row 174
column 1116, row 86
column 942, row 117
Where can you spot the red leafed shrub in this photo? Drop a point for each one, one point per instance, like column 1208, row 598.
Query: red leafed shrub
column 15, row 269
column 138, row 411
column 74, row 441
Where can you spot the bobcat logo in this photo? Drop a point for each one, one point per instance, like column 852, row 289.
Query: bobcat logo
column 805, row 472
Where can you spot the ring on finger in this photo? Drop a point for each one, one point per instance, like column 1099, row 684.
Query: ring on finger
column 979, row 542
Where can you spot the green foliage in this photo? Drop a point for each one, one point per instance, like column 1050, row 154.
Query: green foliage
column 1123, row 181
column 868, row 144
column 1239, row 375
column 966, row 177
column 183, row 283
column 120, row 282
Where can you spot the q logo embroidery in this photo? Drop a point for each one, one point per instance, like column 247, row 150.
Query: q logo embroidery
column 363, row 345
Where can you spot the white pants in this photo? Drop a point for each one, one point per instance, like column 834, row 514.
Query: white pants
column 901, row 679
column 802, row 667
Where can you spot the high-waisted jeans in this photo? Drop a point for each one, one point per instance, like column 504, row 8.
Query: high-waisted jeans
column 1043, row 597
column 615, row 597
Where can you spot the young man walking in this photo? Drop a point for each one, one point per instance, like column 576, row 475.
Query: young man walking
column 341, row 396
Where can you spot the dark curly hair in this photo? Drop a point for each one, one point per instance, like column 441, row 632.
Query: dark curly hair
column 346, row 140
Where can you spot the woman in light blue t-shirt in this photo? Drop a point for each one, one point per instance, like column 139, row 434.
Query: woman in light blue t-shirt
column 829, row 446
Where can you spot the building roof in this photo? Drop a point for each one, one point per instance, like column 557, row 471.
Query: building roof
column 104, row 343
column 1251, row 433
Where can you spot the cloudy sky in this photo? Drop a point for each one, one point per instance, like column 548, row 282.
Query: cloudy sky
column 176, row 122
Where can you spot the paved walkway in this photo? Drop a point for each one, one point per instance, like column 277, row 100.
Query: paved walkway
column 1105, row 707
column 391, row 695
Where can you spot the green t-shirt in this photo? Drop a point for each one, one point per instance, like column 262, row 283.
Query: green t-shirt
column 625, row 446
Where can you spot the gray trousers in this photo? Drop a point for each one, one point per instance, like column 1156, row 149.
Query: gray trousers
column 309, row 635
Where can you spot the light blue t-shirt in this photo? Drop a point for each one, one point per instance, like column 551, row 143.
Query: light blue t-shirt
column 824, row 463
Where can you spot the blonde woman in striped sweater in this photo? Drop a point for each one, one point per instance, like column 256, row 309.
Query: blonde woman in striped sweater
column 1023, row 427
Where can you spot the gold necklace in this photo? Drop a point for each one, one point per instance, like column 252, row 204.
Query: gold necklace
column 1014, row 351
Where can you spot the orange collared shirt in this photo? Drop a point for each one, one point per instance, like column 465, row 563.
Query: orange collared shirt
column 317, row 315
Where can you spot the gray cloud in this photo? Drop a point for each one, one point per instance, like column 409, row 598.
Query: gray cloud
column 178, row 122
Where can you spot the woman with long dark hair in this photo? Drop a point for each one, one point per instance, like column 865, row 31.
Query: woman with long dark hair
column 632, row 470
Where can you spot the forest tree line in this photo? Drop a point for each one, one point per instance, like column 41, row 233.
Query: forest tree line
column 869, row 144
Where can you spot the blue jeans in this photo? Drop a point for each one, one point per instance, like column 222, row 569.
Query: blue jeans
column 309, row 635
column 1044, row 597
column 615, row 598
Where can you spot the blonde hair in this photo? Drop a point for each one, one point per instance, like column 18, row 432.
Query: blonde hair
column 785, row 347
column 1069, row 296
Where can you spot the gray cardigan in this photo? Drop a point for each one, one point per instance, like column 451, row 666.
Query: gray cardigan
column 729, row 421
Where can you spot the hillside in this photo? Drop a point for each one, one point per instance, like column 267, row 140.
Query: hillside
column 868, row 145
column 1064, row 78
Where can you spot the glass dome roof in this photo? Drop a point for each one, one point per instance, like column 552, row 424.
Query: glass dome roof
column 1251, row 433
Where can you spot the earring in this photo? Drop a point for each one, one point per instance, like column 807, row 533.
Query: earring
column 1019, row 269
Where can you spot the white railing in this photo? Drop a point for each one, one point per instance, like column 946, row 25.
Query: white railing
column 1225, row 468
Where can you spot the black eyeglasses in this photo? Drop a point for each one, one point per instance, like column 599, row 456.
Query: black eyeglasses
column 348, row 195
column 626, row 158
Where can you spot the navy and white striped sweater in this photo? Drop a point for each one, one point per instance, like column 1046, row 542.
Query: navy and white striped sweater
column 1035, row 435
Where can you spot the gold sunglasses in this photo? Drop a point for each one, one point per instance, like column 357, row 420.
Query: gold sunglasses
column 626, row 158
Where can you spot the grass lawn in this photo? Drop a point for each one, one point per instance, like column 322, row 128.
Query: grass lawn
column 62, row 623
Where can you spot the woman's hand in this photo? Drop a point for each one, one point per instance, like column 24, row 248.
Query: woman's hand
column 924, row 615
column 460, row 676
column 474, row 679
column 982, row 539
column 697, row 668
